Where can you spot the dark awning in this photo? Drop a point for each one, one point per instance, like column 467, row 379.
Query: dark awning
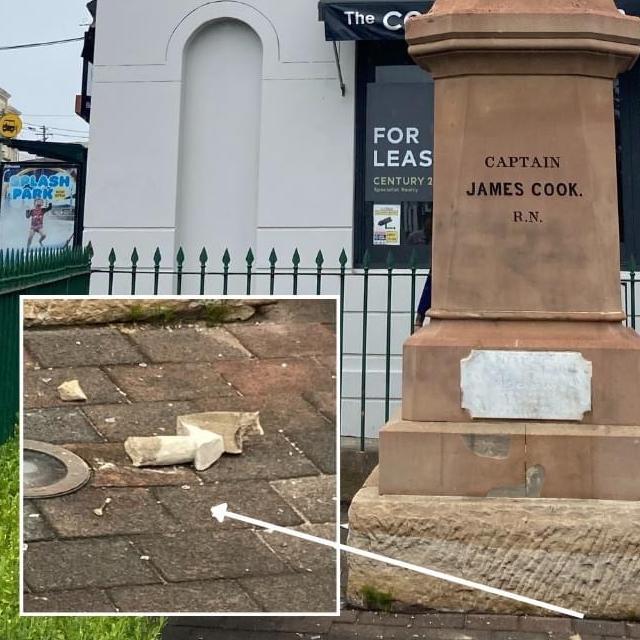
column 368, row 19
column 384, row 19
column 67, row 151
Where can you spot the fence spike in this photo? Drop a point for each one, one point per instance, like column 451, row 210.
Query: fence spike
column 203, row 257
column 226, row 258
column 273, row 258
column 134, row 256
column 157, row 257
column 180, row 257
column 112, row 257
column 366, row 260
column 250, row 258
column 343, row 258
column 319, row 259
column 296, row 258
column 632, row 263
column 390, row 260
column 90, row 252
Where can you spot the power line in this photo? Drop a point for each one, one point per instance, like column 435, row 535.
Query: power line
column 33, row 124
column 41, row 131
column 40, row 44
column 66, row 135
column 44, row 133
column 49, row 115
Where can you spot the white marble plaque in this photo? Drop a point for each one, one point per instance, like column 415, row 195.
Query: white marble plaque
column 526, row 385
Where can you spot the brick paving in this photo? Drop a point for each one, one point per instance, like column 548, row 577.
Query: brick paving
column 156, row 547
column 368, row 625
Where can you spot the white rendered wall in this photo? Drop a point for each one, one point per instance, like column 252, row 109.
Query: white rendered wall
column 145, row 134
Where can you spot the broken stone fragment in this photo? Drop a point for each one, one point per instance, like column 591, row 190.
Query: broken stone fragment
column 71, row 391
column 210, row 446
column 203, row 448
column 234, row 426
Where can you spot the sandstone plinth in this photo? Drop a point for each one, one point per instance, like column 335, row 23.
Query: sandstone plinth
column 510, row 459
column 575, row 554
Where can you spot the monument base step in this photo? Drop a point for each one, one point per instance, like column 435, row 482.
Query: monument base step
column 577, row 554
column 510, row 459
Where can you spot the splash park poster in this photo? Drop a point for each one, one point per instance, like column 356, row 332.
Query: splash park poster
column 38, row 205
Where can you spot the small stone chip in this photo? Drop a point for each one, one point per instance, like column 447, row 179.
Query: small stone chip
column 71, row 391
column 100, row 511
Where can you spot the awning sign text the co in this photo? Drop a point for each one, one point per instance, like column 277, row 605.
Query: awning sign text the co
column 370, row 20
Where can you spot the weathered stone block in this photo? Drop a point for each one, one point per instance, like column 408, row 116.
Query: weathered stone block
column 314, row 497
column 294, row 592
column 81, row 347
column 80, row 564
column 579, row 554
column 286, row 340
column 88, row 311
column 197, row 344
column 510, row 459
column 170, row 382
column 58, row 426
column 40, row 387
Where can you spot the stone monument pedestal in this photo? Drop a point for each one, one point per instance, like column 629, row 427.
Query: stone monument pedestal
column 515, row 461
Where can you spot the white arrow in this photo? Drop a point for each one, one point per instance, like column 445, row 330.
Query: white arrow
column 221, row 512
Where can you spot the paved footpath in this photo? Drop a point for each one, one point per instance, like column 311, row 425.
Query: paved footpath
column 367, row 625
column 156, row 547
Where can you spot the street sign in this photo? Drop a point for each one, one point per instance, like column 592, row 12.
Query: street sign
column 10, row 125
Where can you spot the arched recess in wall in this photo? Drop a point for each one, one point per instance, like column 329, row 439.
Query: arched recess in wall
column 219, row 142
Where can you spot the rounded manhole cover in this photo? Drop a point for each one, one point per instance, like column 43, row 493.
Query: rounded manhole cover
column 49, row 471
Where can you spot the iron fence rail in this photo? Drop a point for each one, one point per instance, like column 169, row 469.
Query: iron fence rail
column 42, row 271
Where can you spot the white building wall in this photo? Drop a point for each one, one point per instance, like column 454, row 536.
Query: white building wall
column 305, row 169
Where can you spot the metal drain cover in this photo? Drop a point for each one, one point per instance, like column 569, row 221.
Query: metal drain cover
column 49, row 471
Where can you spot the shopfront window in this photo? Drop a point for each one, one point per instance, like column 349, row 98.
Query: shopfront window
column 394, row 157
column 393, row 198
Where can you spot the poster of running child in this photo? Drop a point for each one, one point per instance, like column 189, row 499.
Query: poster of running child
column 38, row 205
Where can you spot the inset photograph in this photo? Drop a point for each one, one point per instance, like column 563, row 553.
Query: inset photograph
column 140, row 417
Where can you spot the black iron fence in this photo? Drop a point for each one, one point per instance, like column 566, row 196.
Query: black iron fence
column 43, row 271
